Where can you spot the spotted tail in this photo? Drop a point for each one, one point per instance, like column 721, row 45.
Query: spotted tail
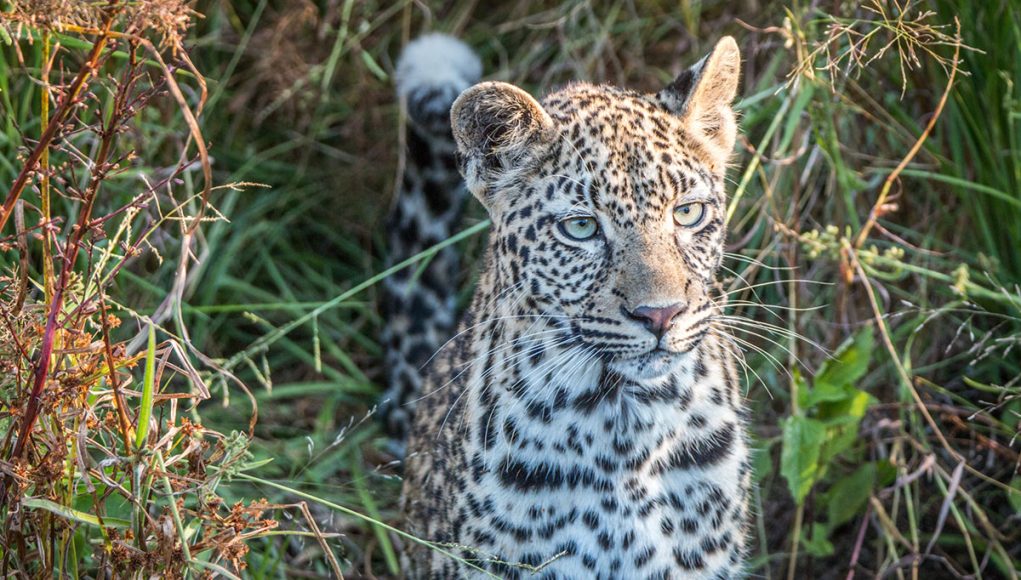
column 418, row 307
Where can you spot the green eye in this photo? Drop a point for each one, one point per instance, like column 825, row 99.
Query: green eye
column 579, row 228
column 690, row 214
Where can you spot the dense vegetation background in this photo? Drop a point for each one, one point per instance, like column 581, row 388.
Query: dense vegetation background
column 188, row 363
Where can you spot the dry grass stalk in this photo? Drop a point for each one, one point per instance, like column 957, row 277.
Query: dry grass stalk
column 100, row 468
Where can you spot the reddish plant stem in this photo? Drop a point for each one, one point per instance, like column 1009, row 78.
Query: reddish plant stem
column 57, row 122
column 71, row 250
column 859, row 541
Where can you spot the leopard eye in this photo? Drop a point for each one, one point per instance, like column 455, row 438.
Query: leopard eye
column 579, row 227
column 689, row 215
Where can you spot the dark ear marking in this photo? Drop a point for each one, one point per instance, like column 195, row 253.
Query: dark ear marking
column 702, row 96
column 498, row 127
column 680, row 88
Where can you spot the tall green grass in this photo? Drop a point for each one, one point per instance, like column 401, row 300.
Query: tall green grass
column 981, row 138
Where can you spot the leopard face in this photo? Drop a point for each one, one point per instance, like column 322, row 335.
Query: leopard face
column 608, row 206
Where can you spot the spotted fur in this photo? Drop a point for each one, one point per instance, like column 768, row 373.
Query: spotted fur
column 564, row 432
column 418, row 306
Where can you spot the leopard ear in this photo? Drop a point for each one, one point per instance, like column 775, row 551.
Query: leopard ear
column 702, row 96
column 498, row 128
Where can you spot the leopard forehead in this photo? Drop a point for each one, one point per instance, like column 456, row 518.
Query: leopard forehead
column 624, row 153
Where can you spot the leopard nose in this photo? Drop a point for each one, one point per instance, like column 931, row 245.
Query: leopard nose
column 657, row 319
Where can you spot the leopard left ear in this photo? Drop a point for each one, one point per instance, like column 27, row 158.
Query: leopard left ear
column 702, row 96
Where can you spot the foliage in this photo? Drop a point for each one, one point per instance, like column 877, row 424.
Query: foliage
column 873, row 276
column 825, row 422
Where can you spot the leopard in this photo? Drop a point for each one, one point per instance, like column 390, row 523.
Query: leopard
column 586, row 418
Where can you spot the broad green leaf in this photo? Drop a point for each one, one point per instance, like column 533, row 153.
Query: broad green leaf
column 838, row 440
column 849, row 363
column 842, row 419
column 848, row 495
column 114, row 505
column 73, row 514
column 859, row 403
column 837, row 375
column 852, row 404
column 822, row 392
column 799, row 460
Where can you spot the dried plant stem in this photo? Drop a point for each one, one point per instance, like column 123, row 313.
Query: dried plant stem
column 792, row 565
column 859, row 542
column 190, row 117
column 118, row 397
column 178, row 523
column 56, row 303
column 892, row 350
column 877, row 208
column 321, row 538
column 70, row 435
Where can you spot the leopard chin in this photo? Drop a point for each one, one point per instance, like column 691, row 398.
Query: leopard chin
column 655, row 364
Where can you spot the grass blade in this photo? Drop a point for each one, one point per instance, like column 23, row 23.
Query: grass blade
column 73, row 514
column 148, row 387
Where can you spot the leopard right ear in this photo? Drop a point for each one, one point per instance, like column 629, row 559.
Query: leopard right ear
column 498, row 128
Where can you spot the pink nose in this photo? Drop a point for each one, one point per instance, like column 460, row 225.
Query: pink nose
column 657, row 319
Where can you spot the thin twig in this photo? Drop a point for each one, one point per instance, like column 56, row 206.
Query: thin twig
column 878, row 207
column 59, row 116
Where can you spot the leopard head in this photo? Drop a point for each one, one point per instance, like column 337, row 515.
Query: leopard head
column 608, row 205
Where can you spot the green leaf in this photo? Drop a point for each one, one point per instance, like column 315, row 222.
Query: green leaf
column 849, row 363
column 762, row 462
column 253, row 465
column 819, row 545
column 848, row 495
column 373, row 66
column 822, row 392
column 1014, row 495
column 886, row 473
column 854, row 405
column 849, row 409
column 993, row 389
column 73, row 514
column 838, row 440
column 836, row 377
column 842, row 419
column 794, row 118
column 799, row 460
